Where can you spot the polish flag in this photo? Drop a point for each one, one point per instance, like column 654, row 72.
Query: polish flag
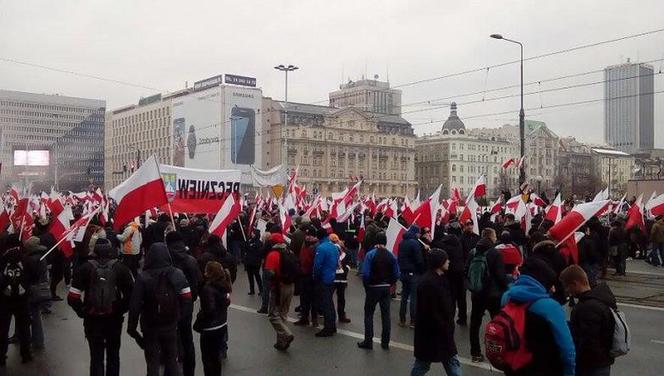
column 425, row 215
column 452, row 206
column 656, row 205
column 537, row 200
column 103, row 216
column 407, row 212
column 579, row 215
column 520, row 165
column 479, row 189
column 144, row 189
column 371, row 204
column 382, row 206
column 456, row 194
column 4, row 218
column 570, row 248
column 416, row 202
column 513, row 203
column 285, row 219
column 635, row 215
column 61, row 224
column 602, row 195
column 349, row 211
column 497, row 206
column 555, row 211
column 55, row 204
column 394, row 234
column 350, row 194
column 470, row 212
column 508, row 163
column 227, row 213
column 362, row 230
column 97, row 195
column 618, row 208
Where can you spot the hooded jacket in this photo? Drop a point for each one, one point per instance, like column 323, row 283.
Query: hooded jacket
column 217, row 252
column 254, row 254
column 451, row 244
column 187, row 263
column 157, row 261
column 547, row 335
column 325, row 261
column 411, row 254
column 434, row 332
column 592, row 326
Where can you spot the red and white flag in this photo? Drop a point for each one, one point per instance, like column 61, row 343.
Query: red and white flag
column 618, row 208
column 635, row 215
column 61, row 224
column 497, row 206
column 479, row 189
column 362, row 230
column 555, row 211
column 349, row 211
column 602, row 195
column 537, row 200
column 521, row 163
column 579, row 215
column 144, row 189
column 394, row 236
column 285, row 219
column 426, row 214
column 227, row 213
column 470, row 212
column 656, row 205
column 508, row 163
column 456, row 194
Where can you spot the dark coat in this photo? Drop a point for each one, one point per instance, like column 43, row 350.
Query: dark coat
column 451, row 244
column 254, row 254
column 187, row 263
column 434, row 332
column 496, row 284
column 220, row 255
column 468, row 242
column 592, row 326
column 411, row 253
column 215, row 300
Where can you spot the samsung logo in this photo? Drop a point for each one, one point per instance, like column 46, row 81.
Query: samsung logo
column 243, row 95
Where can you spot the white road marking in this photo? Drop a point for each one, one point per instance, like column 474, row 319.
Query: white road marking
column 661, row 309
column 356, row 335
column 657, row 341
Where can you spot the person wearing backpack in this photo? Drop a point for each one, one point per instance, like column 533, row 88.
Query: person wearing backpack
column 161, row 293
column 282, row 287
column 530, row 335
column 131, row 240
column 380, row 270
column 99, row 294
column 324, row 271
column 487, row 282
column 188, row 265
column 592, row 322
column 434, row 332
column 17, row 274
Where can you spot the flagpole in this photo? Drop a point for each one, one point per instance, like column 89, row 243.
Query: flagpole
column 170, row 210
column 56, row 245
column 239, row 220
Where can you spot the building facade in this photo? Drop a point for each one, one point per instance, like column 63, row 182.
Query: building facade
column 456, row 159
column 614, row 169
column 65, row 133
column 134, row 133
column 368, row 95
column 576, row 173
column 629, row 107
column 334, row 147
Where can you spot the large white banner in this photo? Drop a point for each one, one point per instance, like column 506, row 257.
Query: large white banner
column 192, row 190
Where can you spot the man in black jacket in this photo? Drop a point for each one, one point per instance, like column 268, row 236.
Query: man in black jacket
column 455, row 274
column 468, row 238
column 493, row 287
column 158, row 327
column 591, row 322
column 187, row 264
column 411, row 265
column 103, row 330
column 217, row 252
column 434, row 333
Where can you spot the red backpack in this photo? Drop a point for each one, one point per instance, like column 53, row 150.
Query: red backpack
column 505, row 340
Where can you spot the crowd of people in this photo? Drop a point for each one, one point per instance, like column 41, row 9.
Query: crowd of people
column 154, row 272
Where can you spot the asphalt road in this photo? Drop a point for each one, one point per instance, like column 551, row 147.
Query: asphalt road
column 252, row 337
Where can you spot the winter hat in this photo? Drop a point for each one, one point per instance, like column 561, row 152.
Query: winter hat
column 33, row 244
column 436, row 258
column 321, row 233
column 277, row 238
column 381, row 238
column 174, row 236
column 103, row 248
column 539, row 270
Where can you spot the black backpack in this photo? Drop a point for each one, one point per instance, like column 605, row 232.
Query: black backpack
column 14, row 279
column 164, row 305
column 102, row 296
column 289, row 266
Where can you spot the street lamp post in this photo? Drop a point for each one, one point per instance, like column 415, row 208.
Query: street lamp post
column 522, row 114
column 285, row 69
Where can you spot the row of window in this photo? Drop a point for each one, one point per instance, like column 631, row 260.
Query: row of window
column 41, row 106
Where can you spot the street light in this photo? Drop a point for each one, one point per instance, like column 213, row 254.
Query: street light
column 286, row 69
column 522, row 114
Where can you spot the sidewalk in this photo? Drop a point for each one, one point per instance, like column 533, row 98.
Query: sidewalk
column 643, row 284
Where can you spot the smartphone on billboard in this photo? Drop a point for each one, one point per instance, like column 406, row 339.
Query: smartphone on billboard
column 243, row 135
column 178, row 142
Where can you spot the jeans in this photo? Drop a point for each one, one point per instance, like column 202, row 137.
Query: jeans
column 458, row 290
column 408, row 295
column 381, row 296
column 657, row 254
column 186, row 346
column 308, row 304
column 21, row 313
column 161, row 343
column 36, row 328
column 481, row 303
column 340, row 288
column 211, row 345
column 604, row 371
column 265, row 296
column 280, row 299
column 104, row 337
column 254, row 273
column 325, row 295
column 452, row 367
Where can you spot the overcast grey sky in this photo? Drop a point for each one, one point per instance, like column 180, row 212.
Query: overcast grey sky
column 162, row 44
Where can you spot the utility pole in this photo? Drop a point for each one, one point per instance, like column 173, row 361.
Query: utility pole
column 285, row 69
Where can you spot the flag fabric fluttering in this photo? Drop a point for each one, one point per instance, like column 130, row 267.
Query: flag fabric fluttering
column 394, row 234
column 554, row 213
column 656, row 205
column 227, row 213
column 579, row 215
column 635, row 215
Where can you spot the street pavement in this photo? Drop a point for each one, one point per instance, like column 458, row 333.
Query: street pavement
column 252, row 337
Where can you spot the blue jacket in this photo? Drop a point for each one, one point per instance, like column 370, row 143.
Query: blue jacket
column 411, row 253
column 527, row 289
column 380, row 271
column 325, row 261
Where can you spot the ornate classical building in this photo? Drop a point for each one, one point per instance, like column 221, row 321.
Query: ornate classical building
column 456, row 159
column 334, row 147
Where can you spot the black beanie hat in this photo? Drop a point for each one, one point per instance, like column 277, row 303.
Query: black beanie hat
column 321, row 233
column 381, row 238
column 103, row 248
column 174, row 236
column 436, row 258
column 539, row 270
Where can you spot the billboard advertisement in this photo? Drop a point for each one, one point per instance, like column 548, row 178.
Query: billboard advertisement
column 242, row 130
column 197, row 130
column 31, row 157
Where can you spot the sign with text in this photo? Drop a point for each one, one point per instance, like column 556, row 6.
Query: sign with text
column 240, row 80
